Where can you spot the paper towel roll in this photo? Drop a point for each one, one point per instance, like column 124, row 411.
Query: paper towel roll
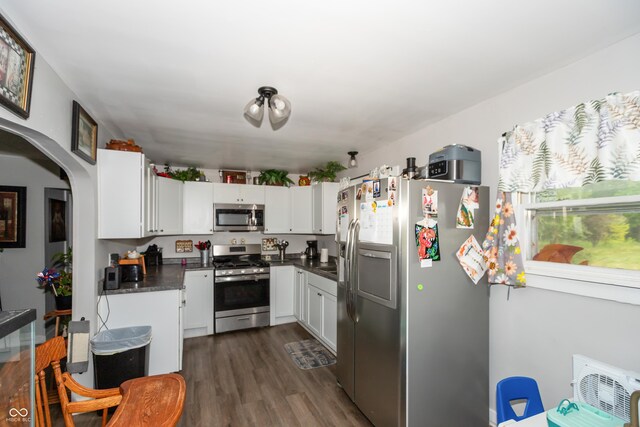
column 324, row 255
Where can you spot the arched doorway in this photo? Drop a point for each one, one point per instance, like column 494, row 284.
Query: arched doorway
column 42, row 231
column 83, row 186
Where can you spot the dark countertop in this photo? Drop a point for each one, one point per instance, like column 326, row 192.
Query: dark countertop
column 314, row 266
column 170, row 276
column 167, row 277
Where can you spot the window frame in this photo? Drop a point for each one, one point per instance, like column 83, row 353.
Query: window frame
column 598, row 282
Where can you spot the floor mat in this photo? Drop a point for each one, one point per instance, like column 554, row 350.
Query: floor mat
column 309, row 354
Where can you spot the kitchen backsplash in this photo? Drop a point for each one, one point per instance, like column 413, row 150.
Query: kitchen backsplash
column 297, row 243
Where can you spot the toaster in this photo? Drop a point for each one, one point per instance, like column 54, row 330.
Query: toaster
column 131, row 273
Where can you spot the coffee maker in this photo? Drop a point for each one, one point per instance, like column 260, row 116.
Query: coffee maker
column 312, row 249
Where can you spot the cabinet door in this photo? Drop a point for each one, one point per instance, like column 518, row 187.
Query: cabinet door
column 198, row 316
column 329, row 319
column 161, row 311
column 120, row 202
column 197, row 208
column 169, row 206
column 277, row 210
column 282, row 291
column 226, row 193
column 300, row 295
column 324, row 207
column 150, row 223
column 253, row 194
column 314, row 309
column 301, row 208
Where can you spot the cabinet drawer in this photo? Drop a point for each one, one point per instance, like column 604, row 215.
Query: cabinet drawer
column 324, row 284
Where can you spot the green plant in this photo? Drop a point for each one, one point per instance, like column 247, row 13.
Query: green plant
column 188, row 174
column 328, row 173
column 275, row 177
column 58, row 279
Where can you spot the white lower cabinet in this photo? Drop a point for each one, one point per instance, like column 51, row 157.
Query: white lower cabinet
column 318, row 308
column 162, row 310
column 299, row 297
column 314, row 305
column 198, row 310
column 281, row 294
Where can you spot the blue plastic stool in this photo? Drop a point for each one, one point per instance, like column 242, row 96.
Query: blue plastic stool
column 517, row 388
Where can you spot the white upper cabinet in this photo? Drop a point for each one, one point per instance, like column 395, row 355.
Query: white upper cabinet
column 120, row 194
column 301, row 210
column 277, row 210
column 169, row 206
column 324, row 207
column 150, row 201
column 238, row 193
column 197, row 208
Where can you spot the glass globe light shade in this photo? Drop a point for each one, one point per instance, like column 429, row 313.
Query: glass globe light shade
column 254, row 110
column 279, row 108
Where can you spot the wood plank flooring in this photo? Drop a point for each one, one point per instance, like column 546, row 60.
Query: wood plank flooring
column 246, row 378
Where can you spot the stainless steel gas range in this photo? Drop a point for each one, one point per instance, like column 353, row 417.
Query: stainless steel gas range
column 241, row 288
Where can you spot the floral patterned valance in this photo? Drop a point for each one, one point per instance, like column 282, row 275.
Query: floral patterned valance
column 591, row 142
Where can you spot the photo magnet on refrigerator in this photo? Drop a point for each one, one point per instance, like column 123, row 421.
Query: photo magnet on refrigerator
column 427, row 240
column 466, row 210
column 471, row 258
column 429, row 201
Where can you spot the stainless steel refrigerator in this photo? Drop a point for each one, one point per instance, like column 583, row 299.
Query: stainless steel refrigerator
column 413, row 339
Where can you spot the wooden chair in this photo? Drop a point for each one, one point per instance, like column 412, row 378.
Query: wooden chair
column 49, row 354
column 155, row 401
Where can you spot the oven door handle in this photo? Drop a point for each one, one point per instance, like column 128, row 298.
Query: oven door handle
column 242, row 278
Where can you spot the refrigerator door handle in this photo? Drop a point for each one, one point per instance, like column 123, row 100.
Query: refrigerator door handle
column 349, row 269
column 353, row 269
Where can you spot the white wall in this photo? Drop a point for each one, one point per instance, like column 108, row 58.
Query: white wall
column 19, row 266
column 49, row 129
column 536, row 332
column 297, row 243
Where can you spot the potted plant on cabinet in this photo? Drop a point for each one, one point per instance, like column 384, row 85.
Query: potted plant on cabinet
column 275, row 177
column 59, row 279
column 327, row 173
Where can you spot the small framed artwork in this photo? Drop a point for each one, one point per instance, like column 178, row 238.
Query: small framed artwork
column 13, row 216
column 57, row 221
column 16, row 70
column 84, row 134
column 234, row 177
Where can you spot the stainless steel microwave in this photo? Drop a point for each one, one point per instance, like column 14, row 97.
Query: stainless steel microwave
column 238, row 217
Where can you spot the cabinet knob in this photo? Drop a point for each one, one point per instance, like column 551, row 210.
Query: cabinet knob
column 162, row 231
column 319, row 294
column 211, row 229
column 291, row 229
column 206, row 275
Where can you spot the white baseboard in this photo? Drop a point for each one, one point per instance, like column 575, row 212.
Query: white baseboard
column 493, row 417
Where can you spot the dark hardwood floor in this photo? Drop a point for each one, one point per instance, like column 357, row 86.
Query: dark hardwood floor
column 246, row 378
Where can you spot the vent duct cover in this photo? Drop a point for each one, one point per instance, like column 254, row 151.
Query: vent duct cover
column 603, row 386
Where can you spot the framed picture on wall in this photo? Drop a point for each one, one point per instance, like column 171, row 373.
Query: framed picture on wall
column 16, row 70
column 57, row 221
column 84, row 134
column 13, row 216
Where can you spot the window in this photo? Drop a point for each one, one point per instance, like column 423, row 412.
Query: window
column 590, row 233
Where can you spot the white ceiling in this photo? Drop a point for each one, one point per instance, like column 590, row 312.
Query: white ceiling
column 175, row 76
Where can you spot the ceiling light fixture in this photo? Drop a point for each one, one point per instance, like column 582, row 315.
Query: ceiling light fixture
column 353, row 162
column 279, row 108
